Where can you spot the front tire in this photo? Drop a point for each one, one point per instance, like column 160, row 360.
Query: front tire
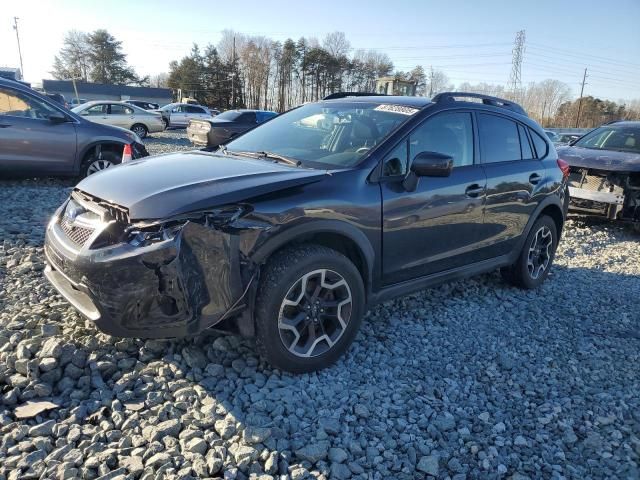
column 93, row 164
column 309, row 308
column 534, row 262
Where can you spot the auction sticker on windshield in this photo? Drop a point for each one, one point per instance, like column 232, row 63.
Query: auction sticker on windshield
column 404, row 110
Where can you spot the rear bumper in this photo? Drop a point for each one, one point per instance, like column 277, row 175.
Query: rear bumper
column 170, row 289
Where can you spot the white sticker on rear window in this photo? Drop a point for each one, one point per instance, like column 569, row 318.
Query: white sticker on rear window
column 396, row 109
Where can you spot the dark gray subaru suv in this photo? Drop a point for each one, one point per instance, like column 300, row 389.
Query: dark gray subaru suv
column 295, row 228
column 40, row 137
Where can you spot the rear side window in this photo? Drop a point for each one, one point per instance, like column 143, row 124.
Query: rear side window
column 247, row 117
column 191, row 109
column 541, row 146
column 527, row 152
column 499, row 139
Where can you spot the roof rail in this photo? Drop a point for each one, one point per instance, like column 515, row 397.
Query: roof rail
column 486, row 99
column 333, row 96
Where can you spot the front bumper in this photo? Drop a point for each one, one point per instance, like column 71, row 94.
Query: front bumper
column 172, row 288
column 613, row 198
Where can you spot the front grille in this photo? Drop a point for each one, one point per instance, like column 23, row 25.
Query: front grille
column 585, row 179
column 78, row 235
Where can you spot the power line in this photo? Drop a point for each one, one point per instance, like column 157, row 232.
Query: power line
column 15, row 27
column 569, row 53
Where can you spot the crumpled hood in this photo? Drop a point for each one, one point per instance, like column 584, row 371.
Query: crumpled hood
column 608, row 160
column 176, row 183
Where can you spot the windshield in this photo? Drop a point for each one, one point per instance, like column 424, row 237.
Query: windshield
column 621, row 138
column 335, row 134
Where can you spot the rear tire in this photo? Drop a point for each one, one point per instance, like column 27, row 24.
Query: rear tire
column 535, row 260
column 92, row 164
column 309, row 308
column 139, row 130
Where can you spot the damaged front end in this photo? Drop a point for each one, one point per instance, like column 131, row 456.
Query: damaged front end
column 149, row 279
column 615, row 195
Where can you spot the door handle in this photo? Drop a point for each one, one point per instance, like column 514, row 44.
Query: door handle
column 534, row 179
column 474, row 190
column 5, row 125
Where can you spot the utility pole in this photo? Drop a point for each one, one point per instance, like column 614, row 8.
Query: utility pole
column 15, row 27
column 430, row 81
column 584, row 78
column 233, row 74
column 515, row 80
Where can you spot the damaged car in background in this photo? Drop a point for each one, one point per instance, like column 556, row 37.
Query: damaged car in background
column 604, row 175
column 295, row 228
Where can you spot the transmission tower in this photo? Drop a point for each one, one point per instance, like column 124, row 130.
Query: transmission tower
column 515, row 80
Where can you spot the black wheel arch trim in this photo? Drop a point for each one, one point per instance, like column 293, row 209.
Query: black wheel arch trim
column 291, row 234
column 553, row 201
column 87, row 148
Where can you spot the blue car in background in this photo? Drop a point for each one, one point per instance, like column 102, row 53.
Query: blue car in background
column 213, row 132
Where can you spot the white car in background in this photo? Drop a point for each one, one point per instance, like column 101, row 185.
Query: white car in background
column 122, row 114
column 180, row 114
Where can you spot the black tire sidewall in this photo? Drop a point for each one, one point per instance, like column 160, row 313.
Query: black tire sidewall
column 116, row 160
column 274, row 286
column 521, row 272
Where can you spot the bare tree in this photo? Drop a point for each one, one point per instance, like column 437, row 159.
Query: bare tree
column 336, row 44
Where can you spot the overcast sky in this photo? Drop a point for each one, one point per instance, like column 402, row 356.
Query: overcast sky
column 469, row 43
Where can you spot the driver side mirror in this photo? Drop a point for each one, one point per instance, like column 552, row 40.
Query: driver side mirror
column 432, row 164
column 57, row 117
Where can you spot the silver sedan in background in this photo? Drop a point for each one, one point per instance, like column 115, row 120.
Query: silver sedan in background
column 122, row 114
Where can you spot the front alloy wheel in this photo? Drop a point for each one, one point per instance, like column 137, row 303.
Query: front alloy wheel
column 309, row 307
column 98, row 165
column 315, row 313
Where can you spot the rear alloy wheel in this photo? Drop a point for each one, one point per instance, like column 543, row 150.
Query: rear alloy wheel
column 309, row 308
column 139, row 130
column 536, row 257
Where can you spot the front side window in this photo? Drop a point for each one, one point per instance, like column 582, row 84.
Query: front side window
column 334, row 134
column 17, row 104
column 96, row 110
column 447, row 133
column 622, row 138
column 499, row 139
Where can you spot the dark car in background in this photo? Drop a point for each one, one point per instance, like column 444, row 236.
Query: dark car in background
column 40, row 137
column 296, row 227
column 217, row 131
column 58, row 97
column 143, row 104
column 605, row 172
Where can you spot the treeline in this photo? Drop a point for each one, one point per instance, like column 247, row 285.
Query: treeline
column 549, row 103
column 257, row 72
column 244, row 71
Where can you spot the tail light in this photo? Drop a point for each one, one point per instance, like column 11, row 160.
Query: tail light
column 564, row 166
column 127, row 153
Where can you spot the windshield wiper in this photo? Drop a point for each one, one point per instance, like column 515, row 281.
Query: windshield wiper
column 280, row 158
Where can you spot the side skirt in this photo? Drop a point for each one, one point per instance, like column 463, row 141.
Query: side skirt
column 411, row 286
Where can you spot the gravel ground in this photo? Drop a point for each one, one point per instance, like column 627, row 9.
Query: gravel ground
column 472, row 379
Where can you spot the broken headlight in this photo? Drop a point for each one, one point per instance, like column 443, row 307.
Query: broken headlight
column 147, row 233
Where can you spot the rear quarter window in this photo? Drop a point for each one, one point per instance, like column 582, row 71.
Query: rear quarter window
column 539, row 143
